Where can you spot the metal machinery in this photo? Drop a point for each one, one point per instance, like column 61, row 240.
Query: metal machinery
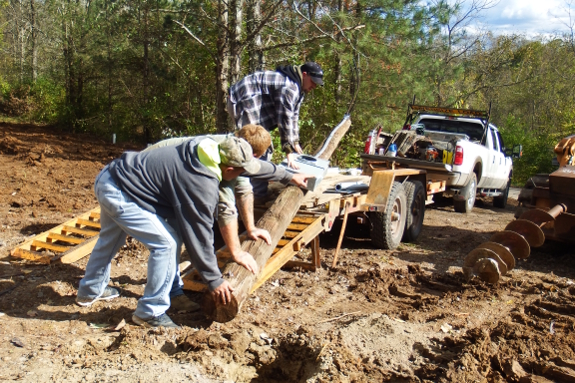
column 545, row 211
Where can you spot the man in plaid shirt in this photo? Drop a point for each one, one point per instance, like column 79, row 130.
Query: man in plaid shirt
column 273, row 99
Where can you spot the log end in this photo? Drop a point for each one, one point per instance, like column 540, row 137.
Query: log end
column 218, row 312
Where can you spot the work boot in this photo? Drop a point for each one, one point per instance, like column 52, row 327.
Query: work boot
column 109, row 293
column 183, row 303
column 161, row 321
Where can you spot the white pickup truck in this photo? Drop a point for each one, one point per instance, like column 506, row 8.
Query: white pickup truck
column 459, row 149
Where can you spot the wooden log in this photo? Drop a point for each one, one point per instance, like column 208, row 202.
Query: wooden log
column 276, row 221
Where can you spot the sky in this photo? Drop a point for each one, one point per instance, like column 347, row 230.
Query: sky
column 528, row 17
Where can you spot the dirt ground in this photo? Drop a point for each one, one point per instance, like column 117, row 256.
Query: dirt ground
column 406, row 315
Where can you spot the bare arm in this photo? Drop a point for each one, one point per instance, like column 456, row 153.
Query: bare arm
column 231, row 239
column 246, row 209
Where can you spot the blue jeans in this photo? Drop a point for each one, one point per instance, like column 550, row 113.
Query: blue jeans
column 121, row 216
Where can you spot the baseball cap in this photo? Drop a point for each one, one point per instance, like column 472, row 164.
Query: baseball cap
column 238, row 153
column 314, row 71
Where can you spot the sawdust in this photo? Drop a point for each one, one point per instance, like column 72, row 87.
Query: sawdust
column 406, row 315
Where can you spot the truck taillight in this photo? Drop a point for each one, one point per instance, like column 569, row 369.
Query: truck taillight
column 458, row 160
column 367, row 147
column 371, row 141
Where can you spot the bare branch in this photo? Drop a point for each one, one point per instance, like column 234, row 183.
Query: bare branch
column 189, row 32
column 327, row 35
column 313, row 38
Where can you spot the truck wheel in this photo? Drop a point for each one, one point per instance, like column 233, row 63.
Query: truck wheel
column 387, row 228
column 501, row 201
column 415, row 197
column 468, row 192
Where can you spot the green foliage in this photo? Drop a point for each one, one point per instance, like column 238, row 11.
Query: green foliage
column 537, row 149
column 47, row 99
column 129, row 68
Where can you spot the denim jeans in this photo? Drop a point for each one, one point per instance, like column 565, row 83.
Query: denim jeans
column 121, row 216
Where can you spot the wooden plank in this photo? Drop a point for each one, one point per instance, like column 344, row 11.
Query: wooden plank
column 88, row 223
column 380, row 187
column 53, row 237
column 341, row 234
column 79, row 251
column 77, row 230
column 31, row 256
column 283, row 242
column 435, row 187
column 183, row 266
column 36, row 245
column 94, row 216
column 316, row 253
column 291, row 234
column 297, row 226
column 303, row 219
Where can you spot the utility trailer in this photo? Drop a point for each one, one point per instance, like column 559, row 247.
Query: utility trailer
column 389, row 203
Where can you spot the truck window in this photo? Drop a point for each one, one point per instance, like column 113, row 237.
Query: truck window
column 501, row 144
column 495, row 140
column 473, row 131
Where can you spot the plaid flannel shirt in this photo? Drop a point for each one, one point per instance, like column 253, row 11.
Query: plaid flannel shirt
column 268, row 99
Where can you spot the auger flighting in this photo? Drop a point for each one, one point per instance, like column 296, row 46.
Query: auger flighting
column 490, row 260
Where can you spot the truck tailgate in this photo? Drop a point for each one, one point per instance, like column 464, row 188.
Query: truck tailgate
column 436, row 167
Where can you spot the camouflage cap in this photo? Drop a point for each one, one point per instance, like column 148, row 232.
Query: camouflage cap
column 238, row 153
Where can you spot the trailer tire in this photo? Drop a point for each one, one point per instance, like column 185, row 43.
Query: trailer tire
column 415, row 197
column 469, row 192
column 387, row 228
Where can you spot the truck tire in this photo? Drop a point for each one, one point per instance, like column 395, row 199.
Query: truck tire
column 501, row 201
column 468, row 192
column 415, row 197
column 387, row 228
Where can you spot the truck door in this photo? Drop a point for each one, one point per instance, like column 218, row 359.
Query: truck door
column 498, row 164
column 490, row 168
column 505, row 163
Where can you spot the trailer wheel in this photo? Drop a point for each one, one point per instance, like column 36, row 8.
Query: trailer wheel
column 468, row 192
column 415, row 197
column 387, row 228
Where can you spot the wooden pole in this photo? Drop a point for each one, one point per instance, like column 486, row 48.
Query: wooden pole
column 275, row 221
column 341, row 234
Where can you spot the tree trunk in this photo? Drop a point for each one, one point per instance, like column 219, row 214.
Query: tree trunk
column 275, row 221
column 146, row 78
column 222, row 67
column 109, row 66
column 255, row 46
column 236, row 6
column 34, row 41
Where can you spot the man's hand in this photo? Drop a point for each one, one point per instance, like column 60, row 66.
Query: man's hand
column 291, row 157
column 246, row 260
column 258, row 233
column 300, row 179
column 223, row 293
column 298, row 149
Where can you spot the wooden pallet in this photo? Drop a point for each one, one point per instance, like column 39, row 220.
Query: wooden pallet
column 65, row 243
column 304, row 229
